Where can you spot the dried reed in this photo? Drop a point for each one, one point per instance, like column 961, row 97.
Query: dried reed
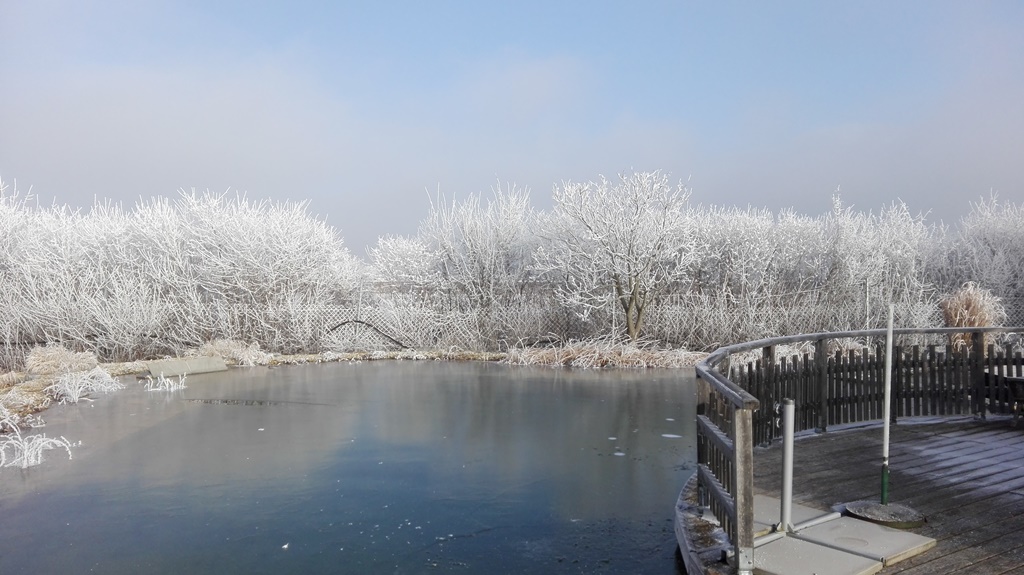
column 236, row 352
column 55, row 358
column 971, row 306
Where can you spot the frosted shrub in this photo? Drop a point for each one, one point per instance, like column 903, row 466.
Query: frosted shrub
column 76, row 386
column 167, row 275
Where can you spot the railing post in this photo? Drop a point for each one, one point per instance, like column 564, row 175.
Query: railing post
column 743, row 441
column 703, row 396
column 821, row 359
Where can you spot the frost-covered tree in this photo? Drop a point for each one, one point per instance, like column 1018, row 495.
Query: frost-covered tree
column 467, row 273
column 625, row 238
column 877, row 259
column 483, row 249
column 167, row 275
column 986, row 248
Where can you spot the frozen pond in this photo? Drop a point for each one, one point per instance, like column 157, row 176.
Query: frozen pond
column 378, row 467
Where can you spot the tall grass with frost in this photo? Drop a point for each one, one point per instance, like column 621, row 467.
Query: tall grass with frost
column 17, row 450
column 162, row 383
column 78, row 385
column 25, row 451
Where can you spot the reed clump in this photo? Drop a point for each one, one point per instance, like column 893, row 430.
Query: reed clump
column 17, row 450
column 75, row 386
column 971, row 306
column 162, row 383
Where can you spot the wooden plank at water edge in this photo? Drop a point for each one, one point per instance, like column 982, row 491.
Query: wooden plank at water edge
column 176, row 367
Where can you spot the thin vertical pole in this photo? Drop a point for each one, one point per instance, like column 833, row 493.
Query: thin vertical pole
column 885, row 410
column 786, row 519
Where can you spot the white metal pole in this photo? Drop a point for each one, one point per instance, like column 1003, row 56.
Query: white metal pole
column 886, row 406
column 786, row 521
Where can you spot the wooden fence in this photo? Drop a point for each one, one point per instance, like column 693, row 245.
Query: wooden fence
column 738, row 402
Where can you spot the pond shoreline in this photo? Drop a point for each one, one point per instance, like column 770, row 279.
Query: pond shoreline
column 24, row 394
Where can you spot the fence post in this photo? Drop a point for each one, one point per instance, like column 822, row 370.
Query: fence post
column 978, row 373
column 821, row 359
column 768, row 364
column 743, row 442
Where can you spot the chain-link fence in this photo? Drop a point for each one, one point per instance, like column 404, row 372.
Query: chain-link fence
column 696, row 322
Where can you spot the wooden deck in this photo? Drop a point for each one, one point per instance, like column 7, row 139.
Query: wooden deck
column 966, row 476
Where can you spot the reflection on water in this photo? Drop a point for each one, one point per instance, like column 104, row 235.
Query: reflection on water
column 398, row 467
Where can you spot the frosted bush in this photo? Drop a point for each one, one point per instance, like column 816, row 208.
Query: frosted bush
column 163, row 277
column 482, row 273
column 76, row 386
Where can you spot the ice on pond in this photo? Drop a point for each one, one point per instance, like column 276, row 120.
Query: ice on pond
column 619, row 454
column 612, row 438
column 669, row 419
column 671, row 435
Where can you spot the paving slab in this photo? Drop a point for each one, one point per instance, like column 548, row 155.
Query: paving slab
column 866, row 539
column 177, row 367
column 767, row 513
column 791, row 556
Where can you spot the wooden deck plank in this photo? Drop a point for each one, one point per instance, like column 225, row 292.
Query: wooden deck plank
column 966, row 559
column 965, row 475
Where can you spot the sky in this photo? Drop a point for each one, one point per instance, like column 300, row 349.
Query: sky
column 368, row 110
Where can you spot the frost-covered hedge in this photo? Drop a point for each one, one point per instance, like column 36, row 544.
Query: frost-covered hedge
column 483, row 273
column 167, row 275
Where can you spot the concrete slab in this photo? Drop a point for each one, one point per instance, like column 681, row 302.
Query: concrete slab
column 790, row 556
column 868, row 540
column 767, row 510
column 185, row 365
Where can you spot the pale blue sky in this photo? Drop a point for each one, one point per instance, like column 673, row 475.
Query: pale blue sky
column 361, row 107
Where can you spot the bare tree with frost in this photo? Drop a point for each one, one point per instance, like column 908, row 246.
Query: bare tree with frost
column 483, row 249
column 987, row 248
column 475, row 257
column 624, row 241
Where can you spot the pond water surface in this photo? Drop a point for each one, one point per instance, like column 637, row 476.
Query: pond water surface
column 377, row 467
